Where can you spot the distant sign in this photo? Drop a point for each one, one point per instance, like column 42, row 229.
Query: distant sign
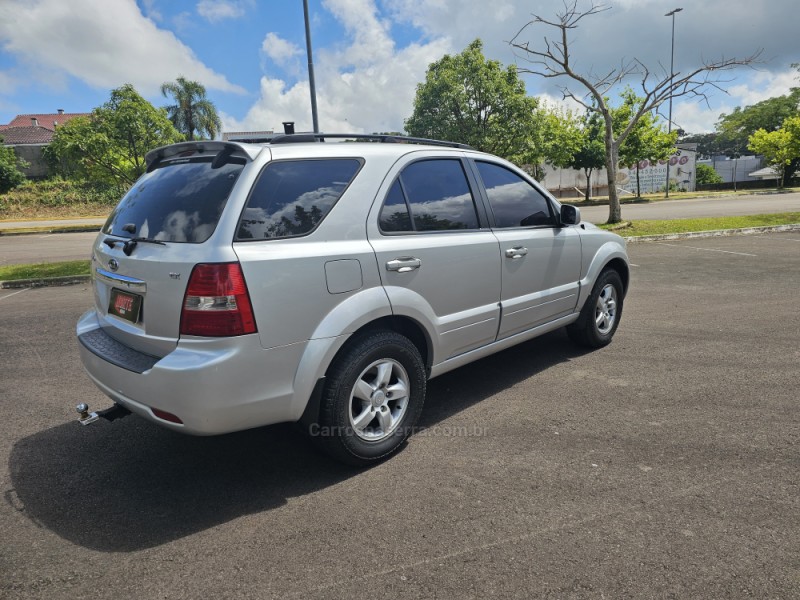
column 653, row 175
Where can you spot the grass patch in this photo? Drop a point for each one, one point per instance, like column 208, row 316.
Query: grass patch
column 58, row 198
column 67, row 268
column 648, row 227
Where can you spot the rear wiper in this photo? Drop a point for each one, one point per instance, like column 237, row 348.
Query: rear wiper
column 130, row 244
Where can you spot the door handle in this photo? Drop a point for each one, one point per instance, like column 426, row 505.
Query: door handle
column 403, row 265
column 517, row 252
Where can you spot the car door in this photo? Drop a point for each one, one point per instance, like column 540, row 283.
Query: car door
column 541, row 261
column 437, row 258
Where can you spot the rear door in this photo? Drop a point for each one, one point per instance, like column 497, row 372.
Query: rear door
column 541, row 261
column 437, row 258
column 145, row 252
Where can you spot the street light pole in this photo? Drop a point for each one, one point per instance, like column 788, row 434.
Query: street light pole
column 671, row 76
column 311, row 83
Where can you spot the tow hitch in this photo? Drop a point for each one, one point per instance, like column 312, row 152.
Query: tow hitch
column 110, row 414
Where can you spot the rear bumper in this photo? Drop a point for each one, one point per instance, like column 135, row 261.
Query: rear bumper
column 214, row 386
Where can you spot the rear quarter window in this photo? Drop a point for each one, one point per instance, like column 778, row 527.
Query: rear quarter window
column 292, row 197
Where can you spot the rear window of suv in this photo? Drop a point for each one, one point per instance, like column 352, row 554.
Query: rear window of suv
column 179, row 201
column 291, row 197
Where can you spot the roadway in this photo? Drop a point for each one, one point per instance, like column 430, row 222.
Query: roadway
column 662, row 466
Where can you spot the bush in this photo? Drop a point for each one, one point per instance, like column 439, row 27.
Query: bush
column 59, row 197
column 10, row 175
column 706, row 175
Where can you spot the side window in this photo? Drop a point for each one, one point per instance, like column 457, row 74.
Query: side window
column 514, row 201
column 438, row 195
column 394, row 214
column 291, row 197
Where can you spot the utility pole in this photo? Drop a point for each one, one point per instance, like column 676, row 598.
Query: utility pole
column 671, row 76
column 311, row 83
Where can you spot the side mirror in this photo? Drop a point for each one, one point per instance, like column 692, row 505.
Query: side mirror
column 570, row 215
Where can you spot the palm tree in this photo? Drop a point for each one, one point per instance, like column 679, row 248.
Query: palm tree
column 192, row 111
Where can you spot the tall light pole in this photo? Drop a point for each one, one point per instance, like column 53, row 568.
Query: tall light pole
column 311, row 83
column 671, row 76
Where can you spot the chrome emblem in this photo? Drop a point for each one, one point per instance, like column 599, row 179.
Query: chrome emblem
column 113, row 264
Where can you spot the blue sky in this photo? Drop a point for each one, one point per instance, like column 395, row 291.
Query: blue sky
column 369, row 54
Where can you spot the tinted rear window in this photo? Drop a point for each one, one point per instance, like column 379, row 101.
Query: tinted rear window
column 291, row 197
column 178, row 202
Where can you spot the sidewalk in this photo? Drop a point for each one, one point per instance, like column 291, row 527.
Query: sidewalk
column 80, row 224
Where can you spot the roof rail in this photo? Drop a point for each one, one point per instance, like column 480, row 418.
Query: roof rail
column 296, row 138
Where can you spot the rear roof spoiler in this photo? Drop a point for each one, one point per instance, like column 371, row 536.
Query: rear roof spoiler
column 154, row 157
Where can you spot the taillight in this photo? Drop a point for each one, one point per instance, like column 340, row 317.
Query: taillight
column 217, row 303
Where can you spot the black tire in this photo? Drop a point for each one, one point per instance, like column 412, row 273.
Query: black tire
column 586, row 331
column 340, row 433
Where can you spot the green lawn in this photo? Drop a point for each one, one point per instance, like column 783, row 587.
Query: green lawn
column 43, row 270
column 646, row 227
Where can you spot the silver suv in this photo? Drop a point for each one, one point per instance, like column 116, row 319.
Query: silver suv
column 240, row 284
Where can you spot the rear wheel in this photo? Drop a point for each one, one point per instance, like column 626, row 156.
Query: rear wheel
column 600, row 315
column 373, row 397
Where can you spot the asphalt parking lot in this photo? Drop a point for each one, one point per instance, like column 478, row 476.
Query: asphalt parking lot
column 664, row 466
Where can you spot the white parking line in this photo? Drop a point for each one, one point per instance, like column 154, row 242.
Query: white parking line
column 633, row 265
column 14, row 293
column 706, row 249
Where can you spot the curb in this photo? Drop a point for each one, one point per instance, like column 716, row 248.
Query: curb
column 44, row 282
column 69, row 229
column 713, row 233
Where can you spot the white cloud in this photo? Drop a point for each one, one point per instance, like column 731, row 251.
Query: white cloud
column 8, row 82
column 279, row 50
column 763, row 85
column 365, row 84
column 104, row 48
column 219, row 10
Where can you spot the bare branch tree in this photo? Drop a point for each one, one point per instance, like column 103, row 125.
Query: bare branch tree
column 551, row 60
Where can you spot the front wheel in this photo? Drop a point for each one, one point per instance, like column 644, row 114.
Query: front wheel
column 600, row 315
column 373, row 397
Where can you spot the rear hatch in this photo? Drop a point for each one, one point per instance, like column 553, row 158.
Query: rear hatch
column 144, row 255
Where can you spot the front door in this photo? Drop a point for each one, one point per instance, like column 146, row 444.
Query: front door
column 541, row 261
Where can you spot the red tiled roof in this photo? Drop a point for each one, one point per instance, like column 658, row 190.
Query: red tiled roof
column 48, row 121
column 13, row 136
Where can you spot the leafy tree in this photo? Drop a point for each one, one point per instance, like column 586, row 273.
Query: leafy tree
column 10, row 175
column 647, row 140
column 708, row 144
column 735, row 129
column 111, row 143
column 706, row 175
column 781, row 148
column 192, row 112
column 553, row 59
column 466, row 98
column 591, row 154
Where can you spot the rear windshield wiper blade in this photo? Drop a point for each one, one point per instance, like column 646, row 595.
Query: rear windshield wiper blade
column 128, row 245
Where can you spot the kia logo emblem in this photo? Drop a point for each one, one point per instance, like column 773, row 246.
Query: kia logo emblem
column 113, row 264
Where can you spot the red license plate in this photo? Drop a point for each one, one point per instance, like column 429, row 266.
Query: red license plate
column 125, row 305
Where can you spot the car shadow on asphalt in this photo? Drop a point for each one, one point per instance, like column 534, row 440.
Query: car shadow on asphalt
column 129, row 485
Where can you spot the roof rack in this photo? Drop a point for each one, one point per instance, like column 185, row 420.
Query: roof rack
column 297, row 138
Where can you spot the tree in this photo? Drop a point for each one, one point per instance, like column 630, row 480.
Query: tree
column 466, row 98
column 647, row 139
column 707, row 143
column 192, row 111
column 111, row 144
column 591, row 152
column 554, row 60
column 706, row 175
column 10, row 175
column 735, row 129
column 781, row 148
